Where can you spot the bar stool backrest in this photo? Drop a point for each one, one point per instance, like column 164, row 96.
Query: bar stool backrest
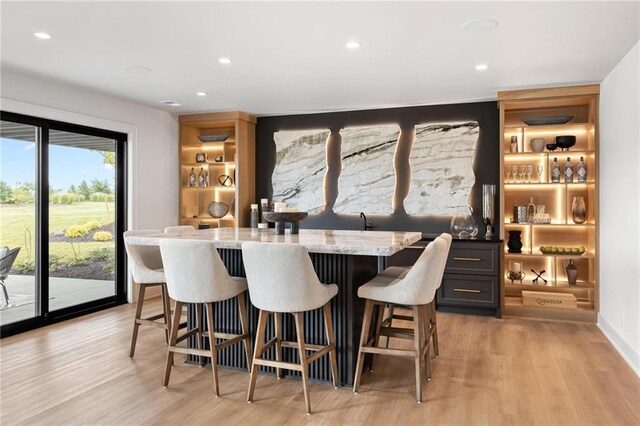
column 142, row 258
column 281, row 277
column 179, row 229
column 424, row 278
column 195, row 273
column 448, row 238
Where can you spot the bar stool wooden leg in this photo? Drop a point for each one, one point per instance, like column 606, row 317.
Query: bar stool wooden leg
column 257, row 351
column 434, row 328
column 424, row 311
column 376, row 339
column 212, row 346
column 277, row 324
column 390, row 318
column 199, row 337
column 166, row 310
column 244, row 324
column 417, row 345
column 136, row 325
column 366, row 324
column 303, row 357
column 175, row 326
column 328, row 325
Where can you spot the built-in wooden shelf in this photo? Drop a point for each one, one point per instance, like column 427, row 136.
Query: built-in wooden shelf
column 581, row 103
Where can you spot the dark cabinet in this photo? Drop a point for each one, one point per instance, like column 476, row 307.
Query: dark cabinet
column 471, row 282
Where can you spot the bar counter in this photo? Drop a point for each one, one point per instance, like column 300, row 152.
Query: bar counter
column 346, row 258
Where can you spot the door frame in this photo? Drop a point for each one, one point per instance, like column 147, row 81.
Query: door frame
column 43, row 316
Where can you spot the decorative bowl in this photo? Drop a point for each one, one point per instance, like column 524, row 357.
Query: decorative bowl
column 565, row 142
column 285, row 216
column 217, row 209
column 552, row 146
column 213, row 138
column 547, row 120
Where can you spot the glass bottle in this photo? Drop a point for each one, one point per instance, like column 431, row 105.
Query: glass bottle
column 264, row 204
column 531, row 210
column 201, row 177
column 192, row 178
column 581, row 169
column 555, row 171
column 255, row 216
column 514, row 144
column 568, row 170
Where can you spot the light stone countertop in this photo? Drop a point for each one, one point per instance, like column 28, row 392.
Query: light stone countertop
column 365, row 243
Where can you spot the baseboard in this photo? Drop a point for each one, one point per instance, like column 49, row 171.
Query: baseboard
column 632, row 358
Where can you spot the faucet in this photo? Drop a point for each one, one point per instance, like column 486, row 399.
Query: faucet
column 367, row 223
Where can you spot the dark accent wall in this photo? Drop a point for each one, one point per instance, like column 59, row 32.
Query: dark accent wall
column 486, row 163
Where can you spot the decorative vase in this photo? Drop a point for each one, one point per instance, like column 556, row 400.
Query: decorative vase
column 515, row 242
column 572, row 272
column 537, row 144
column 464, row 225
column 578, row 210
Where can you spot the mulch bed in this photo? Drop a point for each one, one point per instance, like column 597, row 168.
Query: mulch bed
column 89, row 270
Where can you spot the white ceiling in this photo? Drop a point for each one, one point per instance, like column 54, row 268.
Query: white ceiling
column 291, row 57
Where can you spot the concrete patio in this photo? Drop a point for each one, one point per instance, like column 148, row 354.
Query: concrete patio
column 64, row 292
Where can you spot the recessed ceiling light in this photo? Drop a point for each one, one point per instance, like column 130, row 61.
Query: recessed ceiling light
column 225, row 61
column 42, row 35
column 171, row 103
column 353, row 44
column 480, row 25
column 482, row 67
column 201, row 93
column 137, row 69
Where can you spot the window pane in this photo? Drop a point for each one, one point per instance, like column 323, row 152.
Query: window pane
column 17, row 221
column 81, row 218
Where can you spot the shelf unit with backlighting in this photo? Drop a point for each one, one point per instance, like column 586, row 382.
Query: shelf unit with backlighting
column 581, row 102
column 235, row 152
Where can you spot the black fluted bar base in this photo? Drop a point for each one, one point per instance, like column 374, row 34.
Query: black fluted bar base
column 347, row 271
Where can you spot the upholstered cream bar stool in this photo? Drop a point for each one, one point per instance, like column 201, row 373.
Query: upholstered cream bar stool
column 145, row 263
column 179, row 229
column 282, row 280
column 401, row 272
column 196, row 274
column 417, row 289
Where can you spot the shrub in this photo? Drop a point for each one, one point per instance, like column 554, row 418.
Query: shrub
column 77, row 261
column 92, row 225
column 63, row 198
column 102, row 254
column 102, row 236
column 26, row 266
column 54, row 260
column 101, row 196
column 76, row 231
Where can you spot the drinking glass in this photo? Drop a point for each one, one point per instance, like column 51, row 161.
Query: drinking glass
column 514, row 172
column 529, row 172
column 540, row 170
column 508, row 171
column 523, row 171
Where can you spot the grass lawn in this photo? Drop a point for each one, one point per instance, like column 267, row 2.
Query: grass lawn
column 15, row 220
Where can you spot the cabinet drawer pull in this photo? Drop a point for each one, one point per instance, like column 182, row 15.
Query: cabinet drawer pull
column 465, row 290
column 468, row 259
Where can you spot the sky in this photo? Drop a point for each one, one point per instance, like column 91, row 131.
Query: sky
column 67, row 165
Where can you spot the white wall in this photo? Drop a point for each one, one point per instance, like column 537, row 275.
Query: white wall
column 153, row 138
column 619, row 175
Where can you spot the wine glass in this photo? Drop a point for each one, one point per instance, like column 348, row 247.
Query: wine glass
column 514, row 172
column 508, row 171
column 529, row 172
column 540, row 170
column 523, row 171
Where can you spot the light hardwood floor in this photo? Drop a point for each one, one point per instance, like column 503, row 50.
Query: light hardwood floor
column 489, row 371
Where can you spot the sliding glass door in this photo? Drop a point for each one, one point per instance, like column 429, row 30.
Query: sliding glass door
column 66, row 213
column 18, row 188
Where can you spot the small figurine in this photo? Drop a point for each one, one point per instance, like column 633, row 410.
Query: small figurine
column 538, row 276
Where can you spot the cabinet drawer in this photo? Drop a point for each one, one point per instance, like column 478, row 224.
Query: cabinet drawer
column 469, row 258
column 469, row 290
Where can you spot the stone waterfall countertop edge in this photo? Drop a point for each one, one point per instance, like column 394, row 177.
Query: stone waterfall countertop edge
column 364, row 243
